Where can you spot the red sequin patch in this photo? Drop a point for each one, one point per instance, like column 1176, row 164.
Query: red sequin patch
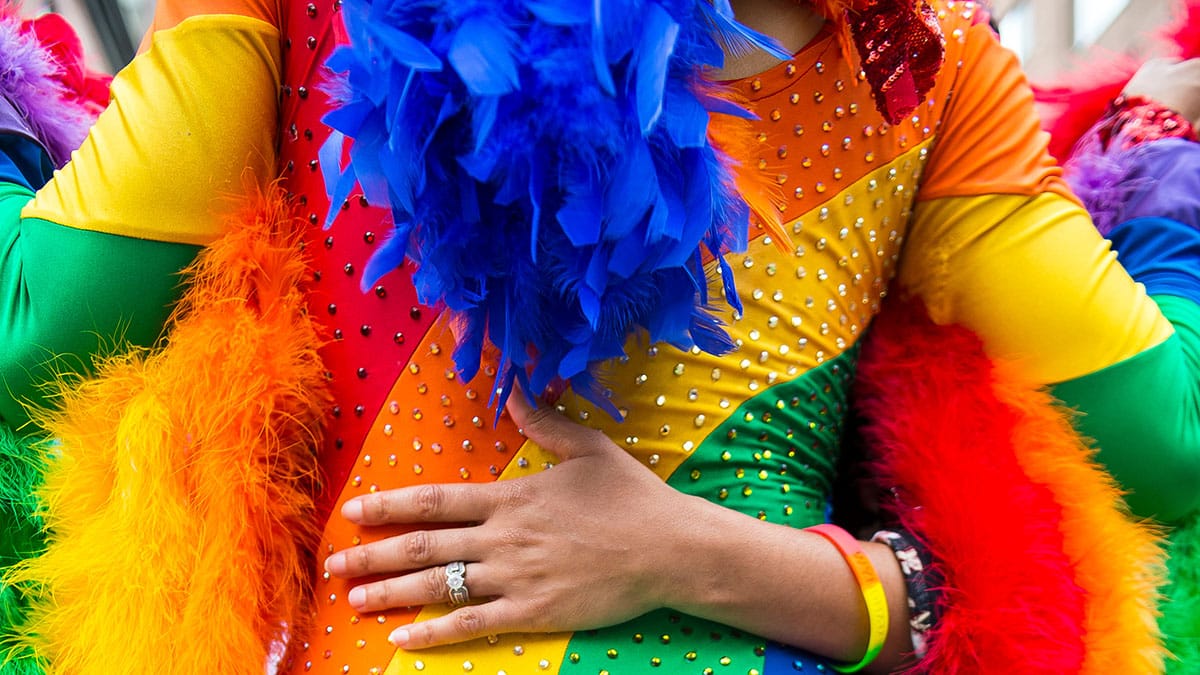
column 902, row 49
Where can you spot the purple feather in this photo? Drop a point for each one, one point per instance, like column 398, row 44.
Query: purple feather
column 27, row 80
column 1100, row 180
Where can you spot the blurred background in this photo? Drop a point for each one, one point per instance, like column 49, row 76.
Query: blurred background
column 1048, row 35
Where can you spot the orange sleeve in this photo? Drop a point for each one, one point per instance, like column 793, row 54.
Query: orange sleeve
column 989, row 140
column 170, row 13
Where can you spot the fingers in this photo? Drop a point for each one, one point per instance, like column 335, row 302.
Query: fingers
column 426, row 587
column 433, row 503
column 412, row 551
column 554, row 432
column 466, row 623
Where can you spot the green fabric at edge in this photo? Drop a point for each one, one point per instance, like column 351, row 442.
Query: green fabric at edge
column 1144, row 414
column 67, row 294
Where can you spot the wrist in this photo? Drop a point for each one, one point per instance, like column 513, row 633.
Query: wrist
column 691, row 553
column 1133, row 119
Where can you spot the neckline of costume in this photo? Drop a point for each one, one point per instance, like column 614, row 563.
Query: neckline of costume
column 778, row 78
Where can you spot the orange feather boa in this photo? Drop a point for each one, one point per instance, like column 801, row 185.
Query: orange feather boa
column 179, row 500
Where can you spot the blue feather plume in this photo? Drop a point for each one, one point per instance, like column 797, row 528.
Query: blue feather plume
column 547, row 167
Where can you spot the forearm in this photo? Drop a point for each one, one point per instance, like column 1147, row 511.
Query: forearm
column 781, row 583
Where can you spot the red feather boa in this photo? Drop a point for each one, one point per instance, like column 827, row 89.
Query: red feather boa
column 1015, row 515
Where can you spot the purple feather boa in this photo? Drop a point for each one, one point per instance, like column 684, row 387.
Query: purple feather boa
column 1156, row 179
column 1102, row 180
column 27, row 80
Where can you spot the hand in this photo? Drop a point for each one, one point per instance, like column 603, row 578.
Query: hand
column 589, row 543
column 1171, row 82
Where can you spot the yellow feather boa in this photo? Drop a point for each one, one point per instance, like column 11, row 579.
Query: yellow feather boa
column 179, row 500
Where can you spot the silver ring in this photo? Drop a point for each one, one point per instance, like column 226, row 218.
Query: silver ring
column 456, row 583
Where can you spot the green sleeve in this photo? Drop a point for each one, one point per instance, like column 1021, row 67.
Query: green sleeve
column 1144, row 413
column 66, row 294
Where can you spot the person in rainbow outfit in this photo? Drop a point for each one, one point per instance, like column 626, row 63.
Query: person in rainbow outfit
column 689, row 535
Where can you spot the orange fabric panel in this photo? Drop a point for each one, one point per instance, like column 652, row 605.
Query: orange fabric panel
column 170, row 13
column 991, row 142
column 435, row 428
column 818, row 130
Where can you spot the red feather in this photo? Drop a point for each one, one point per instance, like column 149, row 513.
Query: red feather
column 1076, row 101
column 943, row 438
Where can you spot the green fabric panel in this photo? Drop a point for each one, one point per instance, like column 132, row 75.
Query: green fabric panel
column 775, row 456
column 68, row 294
column 1144, row 414
column 1180, row 607
column 663, row 642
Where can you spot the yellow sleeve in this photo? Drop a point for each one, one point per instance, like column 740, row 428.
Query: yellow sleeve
column 1033, row 278
column 192, row 126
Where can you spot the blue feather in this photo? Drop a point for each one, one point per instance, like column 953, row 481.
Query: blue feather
column 687, row 120
column 581, row 213
column 658, row 42
column 631, row 191
column 403, row 48
column 482, row 53
column 590, row 110
column 740, row 40
column 723, row 8
column 599, row 49
column 484, row 118
column 557, row 13
column 330, row 159
column 390, row 256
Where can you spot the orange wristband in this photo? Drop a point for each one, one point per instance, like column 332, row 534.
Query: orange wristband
column 871, row 587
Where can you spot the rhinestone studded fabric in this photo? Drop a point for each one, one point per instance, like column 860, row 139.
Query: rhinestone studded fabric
column 756, row 429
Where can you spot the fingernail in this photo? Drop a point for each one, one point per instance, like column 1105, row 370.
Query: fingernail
column 352, row 510
column 399, row 637
column 335, row 564
column 357, row 597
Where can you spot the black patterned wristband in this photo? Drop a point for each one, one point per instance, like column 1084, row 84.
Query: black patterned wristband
column 921, row 581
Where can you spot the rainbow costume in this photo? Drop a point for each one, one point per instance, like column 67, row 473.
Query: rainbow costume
column 196, row 457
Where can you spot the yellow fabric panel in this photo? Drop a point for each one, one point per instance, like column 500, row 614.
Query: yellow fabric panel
column 513, row 653
column 1031, row 277
column 803, row 305
column 191, row 128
